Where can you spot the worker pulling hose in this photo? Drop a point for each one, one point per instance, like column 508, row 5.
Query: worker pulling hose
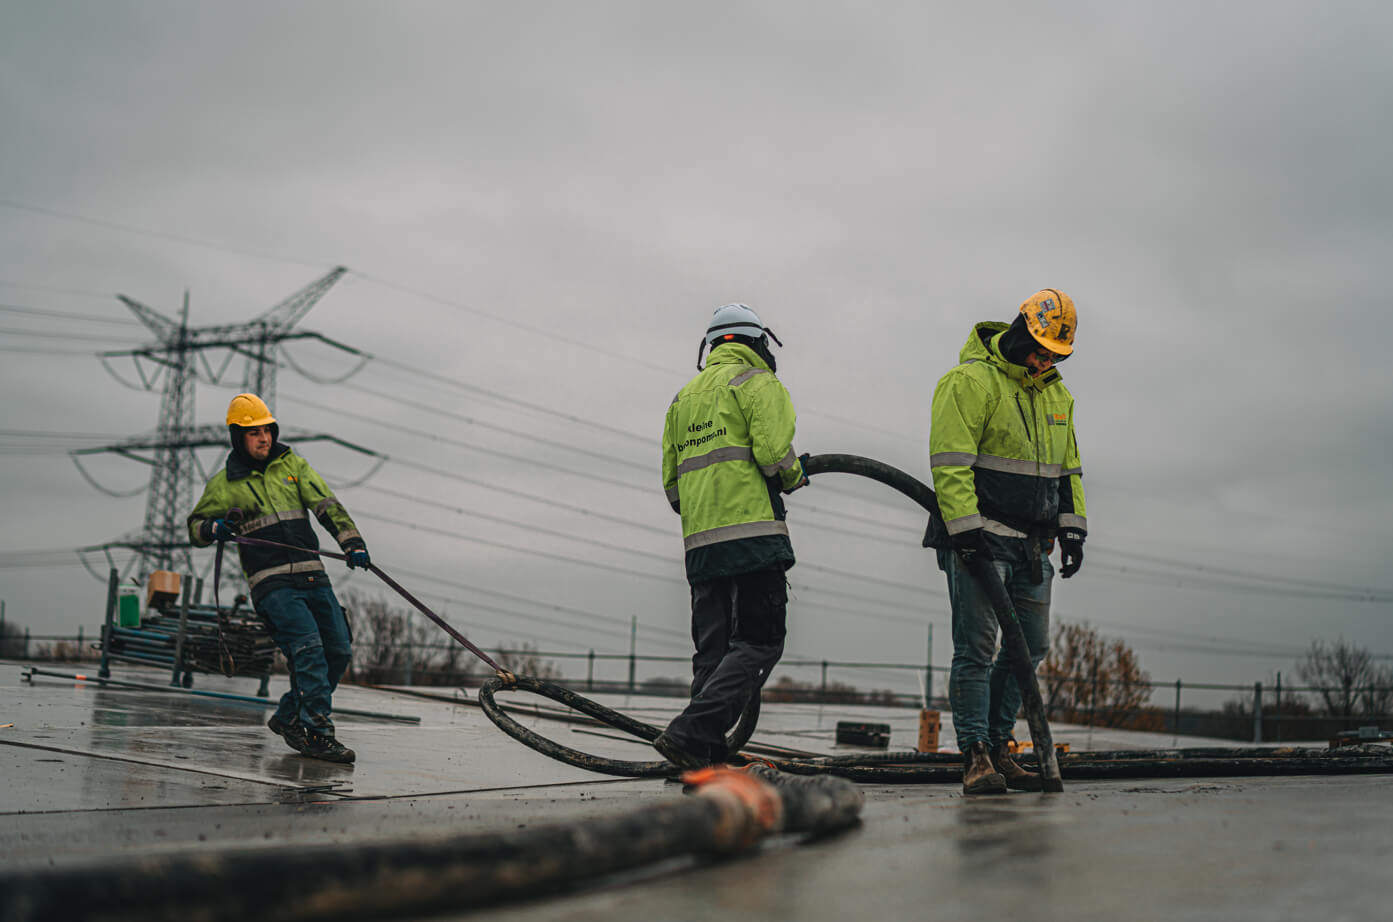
column 1012, row 636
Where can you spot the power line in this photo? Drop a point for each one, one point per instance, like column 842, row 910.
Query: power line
column 66, row 315
column 493, row 593
column 145, row 232
column 40, row 334
column 508, row 398
column 470, row 420
column 29, row 350
column 104, row 295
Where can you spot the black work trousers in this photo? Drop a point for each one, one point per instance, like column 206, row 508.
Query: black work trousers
column 738, row 626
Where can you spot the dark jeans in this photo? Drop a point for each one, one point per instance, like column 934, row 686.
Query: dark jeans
column 309, row 627
column 738, row 626
column 982, row 687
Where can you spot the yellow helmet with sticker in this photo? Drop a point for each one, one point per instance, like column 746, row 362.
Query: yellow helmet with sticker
column 1051, row 319
column 248, row 411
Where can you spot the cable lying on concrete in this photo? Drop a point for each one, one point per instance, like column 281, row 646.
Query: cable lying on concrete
column 729, row 811
column 646, row 732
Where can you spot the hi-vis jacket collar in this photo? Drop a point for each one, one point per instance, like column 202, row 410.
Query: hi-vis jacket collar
column 736, row 354
column 238, row 466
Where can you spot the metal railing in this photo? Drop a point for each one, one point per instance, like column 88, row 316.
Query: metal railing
column 1257, row 712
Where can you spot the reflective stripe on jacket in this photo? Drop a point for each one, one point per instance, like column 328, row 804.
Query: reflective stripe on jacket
column 727, row 455
column 1003, row 451
column 275, row 505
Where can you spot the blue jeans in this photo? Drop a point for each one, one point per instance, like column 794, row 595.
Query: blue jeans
column 309, row 627
column 982, row 689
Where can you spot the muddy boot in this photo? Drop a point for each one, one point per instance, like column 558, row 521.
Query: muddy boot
column 320, row 746
column 1016, row 777
column 288, row 730
column 678, row 756
column 979, row 777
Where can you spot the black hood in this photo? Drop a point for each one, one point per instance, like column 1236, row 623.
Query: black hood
column 245, row 461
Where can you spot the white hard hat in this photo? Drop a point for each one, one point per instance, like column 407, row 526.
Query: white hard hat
column 736, row 319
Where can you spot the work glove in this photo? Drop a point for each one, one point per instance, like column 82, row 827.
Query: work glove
column 358, row 557
column 971, row 545
column 1070, row 551
column 802, row 469
column 223, row 530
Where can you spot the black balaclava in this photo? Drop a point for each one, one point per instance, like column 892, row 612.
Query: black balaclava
column 760, row 347
column 237, row 435
column 1017, row 343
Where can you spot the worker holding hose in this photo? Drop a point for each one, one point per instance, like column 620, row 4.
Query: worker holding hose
column 1009, row 482
column 727, row 458
column 266, row 491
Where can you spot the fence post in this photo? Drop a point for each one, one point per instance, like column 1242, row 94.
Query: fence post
column 104, row 670
column 183, row 633
column 1175, row 721
column 929, row 669
column 590, row 671
column 824, row 680
column 1277, row 713
column 633, row 650
column 1257, row 712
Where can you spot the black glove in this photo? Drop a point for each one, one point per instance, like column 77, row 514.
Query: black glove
column 803, row 463
column 971, row 545
column 358, row 557
column 1070, row 551
column 223, row 530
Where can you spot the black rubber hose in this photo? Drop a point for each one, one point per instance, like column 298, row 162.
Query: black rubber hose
column 421, row 875
column 892, row 477
column 1012, row 637
column 561, row 695
column 561, row 753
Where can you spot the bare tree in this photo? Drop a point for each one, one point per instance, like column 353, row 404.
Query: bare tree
column 523, row 660
column 1347, row 681
column 1087, row 678
column 390, row 646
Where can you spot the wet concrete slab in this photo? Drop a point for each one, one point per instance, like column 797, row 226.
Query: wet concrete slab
column 91, row 773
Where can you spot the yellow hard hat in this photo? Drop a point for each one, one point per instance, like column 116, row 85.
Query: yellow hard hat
column 1051, row 319
column 248, row 410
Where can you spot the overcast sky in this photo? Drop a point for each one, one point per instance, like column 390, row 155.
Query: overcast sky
column 542, row 203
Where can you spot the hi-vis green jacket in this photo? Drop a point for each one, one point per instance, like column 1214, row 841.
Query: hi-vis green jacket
column 276, row 505
column 1003, row 452
column 727, row 455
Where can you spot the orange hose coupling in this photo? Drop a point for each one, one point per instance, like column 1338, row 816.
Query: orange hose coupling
column 750, row 808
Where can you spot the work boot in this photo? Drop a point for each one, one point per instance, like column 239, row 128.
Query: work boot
column 288, row 730
column 668, row 748
column 979, row 777
column 319, row 746
column 1016, row 777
